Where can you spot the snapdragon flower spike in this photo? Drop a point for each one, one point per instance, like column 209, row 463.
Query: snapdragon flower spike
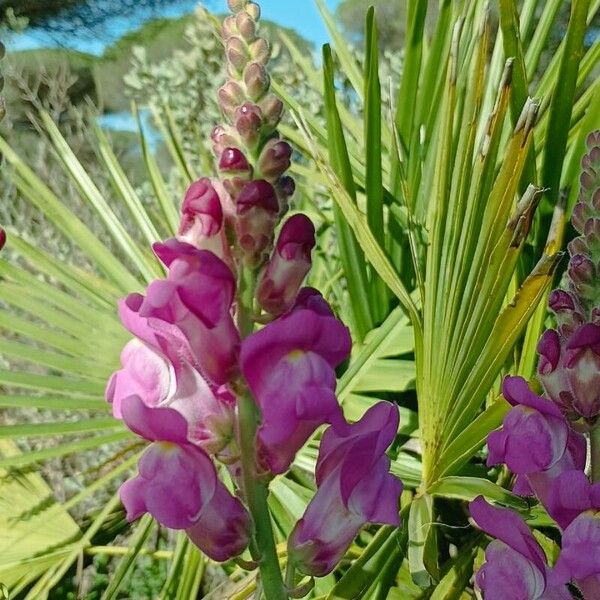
column 178, row 485
column 149, row 375
column 283, row 275
column 188, row 315
column 535, row 442
column 354, row 488
column 515, row 567
column 289, row 367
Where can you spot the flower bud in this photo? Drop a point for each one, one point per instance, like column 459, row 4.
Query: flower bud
column 231, row 96
column 581, row 213
column 253, row 10
column 229, row 27
column 248, row 122
column 223, row 137
column 272, row 110
column 235, row 6
column 581, row 270
column 202, row 220
column 2, row 237
column 236, row 52
column 285, row 188
column 233, row 160
column 260, row 51
column 234, row 163
column 282, row 277
column 257, row 208
column 275, row 159
column 201, row 209
column 561, row 301
column 246, row 26
column 257, row 81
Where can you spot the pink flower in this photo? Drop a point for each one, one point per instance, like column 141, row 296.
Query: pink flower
column 289, row 366
column 282, row 276
column 354, row 488
column 515, row 567
column 148, row 375
column 188, row 315
column 202, row 219
column 178, row 484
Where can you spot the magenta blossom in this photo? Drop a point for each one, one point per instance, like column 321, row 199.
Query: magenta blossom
column 354, row 488
column 569, row 370
column 202, row 220
column 579, row 560
column 283, row 275
column 535, row 442
column 151, row 377
column 188, row 315
column 515, row 567
column 289, row 366
column 178, row 484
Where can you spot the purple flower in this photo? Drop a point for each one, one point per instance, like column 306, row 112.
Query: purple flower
column 579, row 559
column 188, row 315
column 535, row 442
column 569, row 370
column 150, row 376
column 570, row 495
column 281, row 278
column 289, row 366
column 354, row 488
column 178, row 485
column 515, row 567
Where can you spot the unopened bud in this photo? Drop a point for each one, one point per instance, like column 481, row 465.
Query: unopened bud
column 223, row 137
column 275, row 159
column 260, row 51
column 202, row 215
column 253, row 10
column 272, row 110
column 257, row 208
column 233, row 160
column 2, row 237
column 246, row 26
column 257, row 81
column 581, row 270
column 291, row 261
column 235, row 165
column 236, row 5
column 236, row 52
column 229, row 27
column 248, row 122
column 231, row 96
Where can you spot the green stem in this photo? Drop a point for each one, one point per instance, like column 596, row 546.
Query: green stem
column 263, row 549
column 595, row 453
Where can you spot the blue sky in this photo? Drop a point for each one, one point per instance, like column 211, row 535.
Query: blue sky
column 301, row 15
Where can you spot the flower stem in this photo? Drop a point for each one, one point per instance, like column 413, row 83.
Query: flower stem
column 256, row 497
column 263, row 550
column 595, row 453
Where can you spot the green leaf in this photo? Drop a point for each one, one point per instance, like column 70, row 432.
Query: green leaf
column 468, row 488
column 422, row 548
column 562, row 100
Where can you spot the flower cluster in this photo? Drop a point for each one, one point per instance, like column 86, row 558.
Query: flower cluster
column 197, row 355
column 543, row 441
